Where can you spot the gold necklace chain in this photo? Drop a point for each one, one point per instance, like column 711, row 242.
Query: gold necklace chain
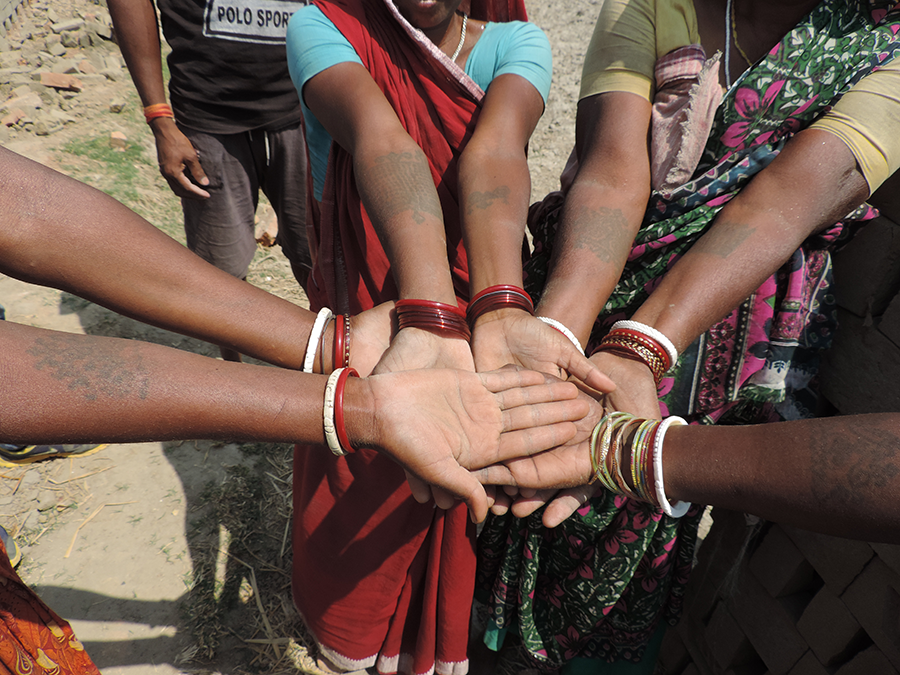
column 735, row 38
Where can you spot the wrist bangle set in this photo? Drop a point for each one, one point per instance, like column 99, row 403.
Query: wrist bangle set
column 611, row 449
column 333, row 412
column 640, row 342
column 497, row 297
column 436, row 317
column 151, row 112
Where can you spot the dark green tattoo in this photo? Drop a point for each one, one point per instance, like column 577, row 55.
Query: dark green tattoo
column 725, row 239
column 119, row 375
column 485, row 200
column 863, row 461
column 600, row 232
column 401, row 182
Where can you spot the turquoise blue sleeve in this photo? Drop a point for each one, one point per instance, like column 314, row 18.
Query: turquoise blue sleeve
column 314, row 44
column 516, row 48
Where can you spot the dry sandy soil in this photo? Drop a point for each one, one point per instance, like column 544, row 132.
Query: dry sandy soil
column 175, row 557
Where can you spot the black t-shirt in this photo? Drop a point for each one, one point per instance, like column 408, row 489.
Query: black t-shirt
column 228, row 67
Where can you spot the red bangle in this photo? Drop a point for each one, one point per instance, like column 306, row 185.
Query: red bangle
column 339, row 427
column 346, row 360
column 436, row 317
column 646, row 340
column 337, row 354
column 498, row 297
column 151, row 112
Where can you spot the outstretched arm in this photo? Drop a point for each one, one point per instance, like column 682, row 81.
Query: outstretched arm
column 838, row 475
column 137, row 33
column 71, row 388
column 61, row 233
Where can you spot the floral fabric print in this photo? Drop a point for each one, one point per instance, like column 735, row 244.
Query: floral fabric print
column 599, row 584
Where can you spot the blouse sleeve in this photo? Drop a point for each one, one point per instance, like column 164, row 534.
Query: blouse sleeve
column 867, row 119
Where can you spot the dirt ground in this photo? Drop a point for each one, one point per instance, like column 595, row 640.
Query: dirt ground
column 175, row 557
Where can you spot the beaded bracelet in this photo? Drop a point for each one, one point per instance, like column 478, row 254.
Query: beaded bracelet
column 497, row 297
column 436, row 317
column 652, row 333
column 565, row 331
column 151, row 112
column 315, row 335
column 346, row 359
column 333, row 412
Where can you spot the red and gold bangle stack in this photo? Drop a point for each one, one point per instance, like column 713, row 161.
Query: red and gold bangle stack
column 634, row 345
column 498, row 297
column 436, row 317
column 339, row 425
column 341, row 354
column 151, row 112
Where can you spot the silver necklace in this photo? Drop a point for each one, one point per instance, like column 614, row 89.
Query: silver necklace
column 728, row 14
column 462, row 37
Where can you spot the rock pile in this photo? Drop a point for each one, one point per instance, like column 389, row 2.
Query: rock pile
column 54, row 60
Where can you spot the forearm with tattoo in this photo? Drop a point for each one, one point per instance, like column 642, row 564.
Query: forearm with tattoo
column 397, row 183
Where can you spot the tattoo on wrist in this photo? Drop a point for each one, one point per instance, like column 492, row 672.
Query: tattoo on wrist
column 600, row 231
column 117, row 374
column 485, row 200
column 401, row 182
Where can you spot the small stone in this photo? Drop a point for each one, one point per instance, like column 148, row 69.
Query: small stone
column 87, row 38
column 12, row 117
column 65, row 66
column 71, row 38
column 46, row 500
column 118, row 141
column 52, row 16
column 61, row 81
column 85, row 67
column 112, row 74
column 67, row 26
column 113, row 61
column 117, row 105
column 100, row 29
column 57, row 50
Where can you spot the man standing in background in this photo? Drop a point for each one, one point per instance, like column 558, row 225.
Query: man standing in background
column 233, row 127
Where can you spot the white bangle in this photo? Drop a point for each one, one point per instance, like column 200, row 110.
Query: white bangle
column 678, row 509
column 650, row 332
column 562, row 329
column 322, row 319
column 331, row 437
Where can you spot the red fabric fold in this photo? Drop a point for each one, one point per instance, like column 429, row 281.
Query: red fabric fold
column 377, row 576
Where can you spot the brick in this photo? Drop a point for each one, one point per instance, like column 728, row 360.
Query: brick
column 718, row 558
column 808, row 665
column 874, row 600
column 61, row 81
column 889, row 554
column 118, row 140
column 838, row 561
column 829, row 628
column 728, row 644
column 767, row 625
column 867, row 269
column 860, row 371
column 780, row 566
column 869, row 662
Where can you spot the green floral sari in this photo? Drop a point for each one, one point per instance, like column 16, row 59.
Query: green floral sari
column 599, row 585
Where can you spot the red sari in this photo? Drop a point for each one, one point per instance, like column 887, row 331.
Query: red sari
column 378, row 577
column 34, row 640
